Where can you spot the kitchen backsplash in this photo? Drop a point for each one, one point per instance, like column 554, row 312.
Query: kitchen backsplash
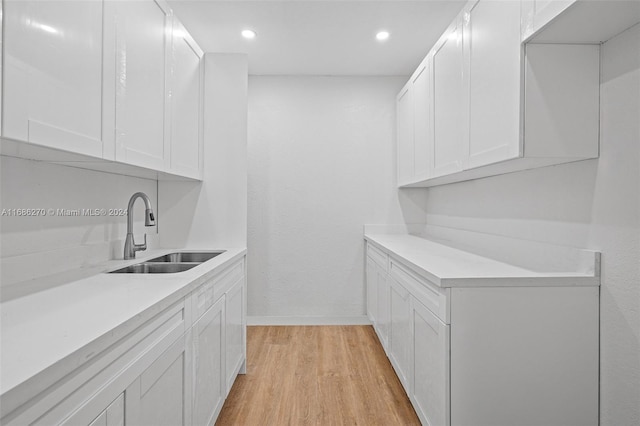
column 57, row 218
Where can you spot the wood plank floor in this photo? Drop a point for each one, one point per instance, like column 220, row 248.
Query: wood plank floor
column 316, row 375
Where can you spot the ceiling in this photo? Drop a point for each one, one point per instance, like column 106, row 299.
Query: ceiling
column 329, row 37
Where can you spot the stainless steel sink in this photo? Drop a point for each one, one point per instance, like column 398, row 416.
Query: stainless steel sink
column 169, row 263
column 183, row 257
column 155, row 268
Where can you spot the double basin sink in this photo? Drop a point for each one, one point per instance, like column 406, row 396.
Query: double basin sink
column 169, row 263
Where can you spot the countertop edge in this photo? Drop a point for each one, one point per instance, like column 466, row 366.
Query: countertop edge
column 544, row 280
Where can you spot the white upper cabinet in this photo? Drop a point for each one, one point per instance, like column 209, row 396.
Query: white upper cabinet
column 494, row 53
column 114, row 80
column 136, row 64
column 414, row 135
column 53, row 74
column 449, row 102
column 422, row 128
column 186, row 101
column 496, row 105
column 405, row 135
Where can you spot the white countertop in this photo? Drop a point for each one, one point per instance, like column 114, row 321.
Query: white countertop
column 51, row 332
column 447, row 266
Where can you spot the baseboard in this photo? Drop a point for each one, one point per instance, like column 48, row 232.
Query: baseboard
column 318, row 320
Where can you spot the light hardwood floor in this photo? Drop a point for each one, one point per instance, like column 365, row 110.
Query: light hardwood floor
column 316, row 375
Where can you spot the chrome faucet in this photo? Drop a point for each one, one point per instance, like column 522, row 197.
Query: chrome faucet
column 130, row 247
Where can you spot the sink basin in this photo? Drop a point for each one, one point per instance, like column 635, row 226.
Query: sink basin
column 183, row 257
column 169, row 263
column 155, row 268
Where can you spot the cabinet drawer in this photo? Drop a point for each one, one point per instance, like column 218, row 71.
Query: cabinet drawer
column 430, row 295
column 205, row 296
column 378, row 256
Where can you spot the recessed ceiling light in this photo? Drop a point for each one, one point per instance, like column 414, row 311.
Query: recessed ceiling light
column 382, row 35
column 249, row 34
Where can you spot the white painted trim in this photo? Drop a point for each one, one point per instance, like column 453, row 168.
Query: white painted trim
column 310, row 320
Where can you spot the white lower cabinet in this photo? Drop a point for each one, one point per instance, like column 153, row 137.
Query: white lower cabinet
column 208, row 359
column 524, row 356
column 160, row 395
column 429, row 345
column 372, row 291
column 175, row 369
column 400, row 331
column 234, row 332
column 482, row 355
column 113, row 415
column 378, row 292
column 384, row 314
column 383, row 309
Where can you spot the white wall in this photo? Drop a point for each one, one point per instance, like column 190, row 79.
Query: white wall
column 593, row 204
column 321, row 166
column 34, row 184
column 213, row 214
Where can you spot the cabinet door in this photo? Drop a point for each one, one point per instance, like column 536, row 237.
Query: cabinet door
column 450, row 129
column 186, row 90
column 113, row 415
column 234, row 331
column 430, row 394
column 372, row 291
column 400, row 332
column 208, row 365
column 404, row 111
column 136, row 33
column 160, row 396
column 53, row 74
column 384, row 307
column 422, row 121
column 494, row 88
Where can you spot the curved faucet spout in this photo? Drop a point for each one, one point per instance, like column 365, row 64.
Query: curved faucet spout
column 130, row 247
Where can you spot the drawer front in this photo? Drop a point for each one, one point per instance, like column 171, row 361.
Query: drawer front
column 378, row 256
column 205, row 296
column 433, row 297
column 226, row 280
column 202, row 299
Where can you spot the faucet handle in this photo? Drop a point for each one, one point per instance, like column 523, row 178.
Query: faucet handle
column 141, row 247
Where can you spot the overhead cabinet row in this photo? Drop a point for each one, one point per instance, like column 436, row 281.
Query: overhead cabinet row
column 498, row 94
column 119, row 81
